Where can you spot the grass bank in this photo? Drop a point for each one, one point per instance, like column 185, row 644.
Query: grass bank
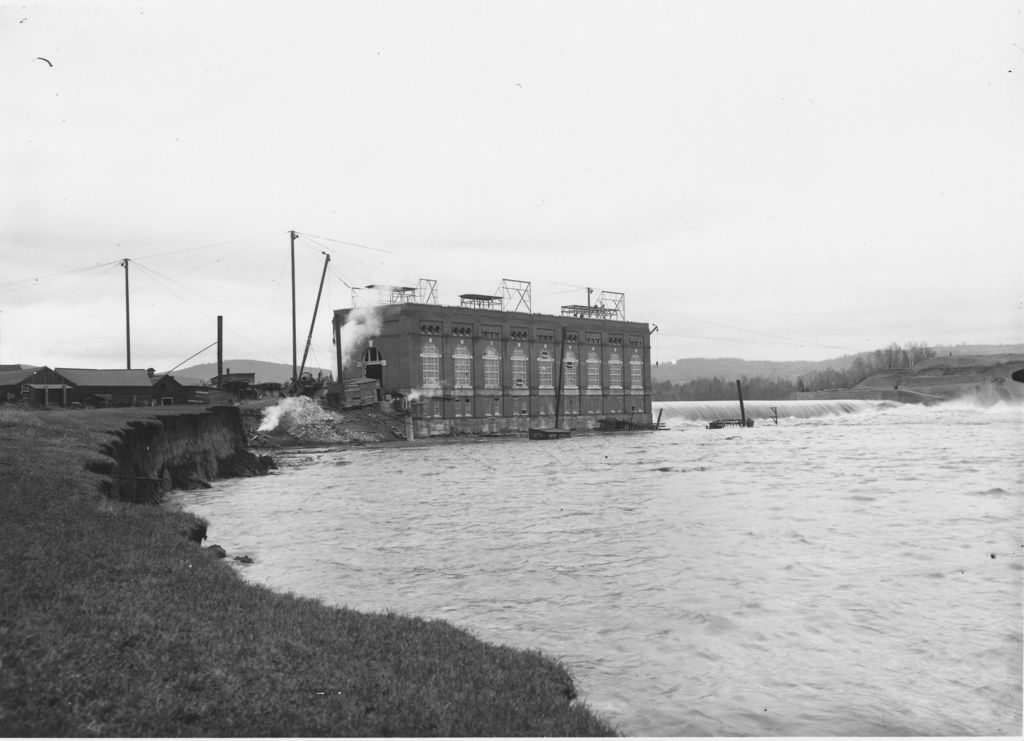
column 112, row 623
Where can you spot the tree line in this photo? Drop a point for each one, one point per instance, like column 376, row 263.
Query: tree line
column 858, row 368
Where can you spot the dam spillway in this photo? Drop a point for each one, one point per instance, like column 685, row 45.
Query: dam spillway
column 681, row 413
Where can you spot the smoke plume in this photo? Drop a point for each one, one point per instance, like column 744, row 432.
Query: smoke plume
column 362, row 323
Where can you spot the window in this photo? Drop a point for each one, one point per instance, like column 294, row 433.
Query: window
column 636, row 371
column 593, row 370
column 570, row 405
column 463, row 407
column 570, row 371
column 615, row 370
column 545, row 367
column 519, row 366
column 492, row 368
column 492, row 406
column 430, row 362
column 463, row 366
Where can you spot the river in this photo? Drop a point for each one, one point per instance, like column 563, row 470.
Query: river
column 856, row 569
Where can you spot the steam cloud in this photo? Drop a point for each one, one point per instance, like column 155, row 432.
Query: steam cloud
column 294, row 410
column 362, row 323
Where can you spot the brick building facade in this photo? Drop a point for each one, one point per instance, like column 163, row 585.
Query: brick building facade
column 464, row 368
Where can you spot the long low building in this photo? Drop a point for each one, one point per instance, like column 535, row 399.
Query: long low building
column 63, row 387
column 480, row 368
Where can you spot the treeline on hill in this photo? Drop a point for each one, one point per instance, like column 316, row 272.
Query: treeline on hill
column 767, row 388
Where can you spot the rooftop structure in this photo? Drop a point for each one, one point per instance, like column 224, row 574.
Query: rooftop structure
column 480, row 301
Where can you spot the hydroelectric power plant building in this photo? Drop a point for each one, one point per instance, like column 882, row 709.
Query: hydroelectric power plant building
column 490, row 365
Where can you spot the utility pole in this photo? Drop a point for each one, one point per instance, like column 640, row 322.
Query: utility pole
column 127, row 319
column 295, row 359
column 220, row 352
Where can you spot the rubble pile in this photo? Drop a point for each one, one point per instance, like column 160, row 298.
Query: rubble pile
column 326, row 431
column 301, row 421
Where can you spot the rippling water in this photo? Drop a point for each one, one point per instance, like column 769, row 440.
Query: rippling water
column 858, row 574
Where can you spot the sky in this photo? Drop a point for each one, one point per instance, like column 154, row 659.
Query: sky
column 794, row 180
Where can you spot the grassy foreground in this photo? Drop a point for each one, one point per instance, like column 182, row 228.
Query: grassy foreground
column 113, row 624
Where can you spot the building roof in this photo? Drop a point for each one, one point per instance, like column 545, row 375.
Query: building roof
column 120, row 378
column 12, row 377
column 165, row 380
column 16, row 367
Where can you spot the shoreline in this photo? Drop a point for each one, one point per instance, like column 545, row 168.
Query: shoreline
column 115, row 623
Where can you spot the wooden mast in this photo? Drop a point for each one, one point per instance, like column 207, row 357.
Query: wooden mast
column 309, row 339
column 558, row 387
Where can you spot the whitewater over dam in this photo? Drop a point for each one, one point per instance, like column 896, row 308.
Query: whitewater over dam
column 681, row 412
column 853, row 570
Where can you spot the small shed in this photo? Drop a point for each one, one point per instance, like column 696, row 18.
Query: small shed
column 167, row 390
column 354, row 392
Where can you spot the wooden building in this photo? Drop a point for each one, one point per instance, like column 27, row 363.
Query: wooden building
column 166, row 390
column 102, row 387
column 40, row 387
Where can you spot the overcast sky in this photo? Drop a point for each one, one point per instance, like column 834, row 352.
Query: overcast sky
column 766, row 180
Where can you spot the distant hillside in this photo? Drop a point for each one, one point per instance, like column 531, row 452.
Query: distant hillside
column 265, row 372
column 984, row 377
column 954, row 350
column 685, row 370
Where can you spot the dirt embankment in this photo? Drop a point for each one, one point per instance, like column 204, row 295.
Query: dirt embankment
column 182, row 449
column 984, row 378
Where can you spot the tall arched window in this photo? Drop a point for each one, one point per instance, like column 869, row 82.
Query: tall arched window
column 430, row 363
column 520, row 378
column 545, row 367
column 636, row 371
column 593, row 370
column 463, row 363
column 615, row 370
column 492, row 368
column 570, row 370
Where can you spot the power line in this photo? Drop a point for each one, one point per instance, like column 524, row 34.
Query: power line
column 351, row 244
column 748, row 331
column 255, row 240
column 27, row 282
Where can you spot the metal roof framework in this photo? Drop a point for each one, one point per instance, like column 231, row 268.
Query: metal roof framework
column 424, row 292
column 480, row 301
column 609, row 305
column 613, row 301
column 588, row 312
column 516, row 295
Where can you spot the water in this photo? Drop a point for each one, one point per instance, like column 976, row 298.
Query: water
column 841, row 574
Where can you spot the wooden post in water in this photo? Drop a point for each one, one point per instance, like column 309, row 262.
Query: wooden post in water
column 743, row 414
